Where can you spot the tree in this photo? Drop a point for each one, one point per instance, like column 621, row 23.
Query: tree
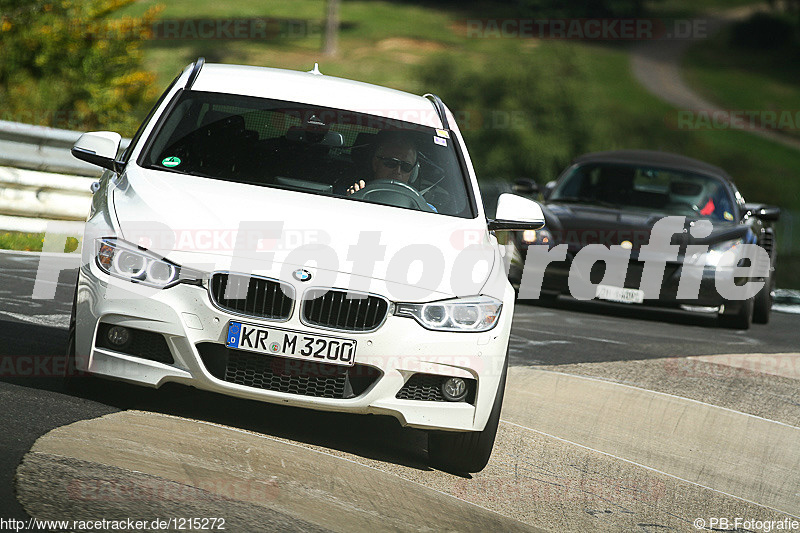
column 331, row 28
column 526, row 118
column 69, row 64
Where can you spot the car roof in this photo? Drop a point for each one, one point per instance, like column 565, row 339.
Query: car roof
column 316, row 89
column 653, row 158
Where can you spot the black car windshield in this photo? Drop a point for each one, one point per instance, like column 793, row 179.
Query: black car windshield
column 312, row 150
column 668, row 191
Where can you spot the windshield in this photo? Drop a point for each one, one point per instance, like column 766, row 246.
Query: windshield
column 311, row 150
column 667, row 191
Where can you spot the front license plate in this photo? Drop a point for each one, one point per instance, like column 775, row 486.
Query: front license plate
column 294, row 344
column 618, row 294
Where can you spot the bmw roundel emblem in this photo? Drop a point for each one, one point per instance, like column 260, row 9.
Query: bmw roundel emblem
column 301, row 274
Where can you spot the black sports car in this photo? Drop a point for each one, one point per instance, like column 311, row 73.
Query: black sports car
column 611, row 202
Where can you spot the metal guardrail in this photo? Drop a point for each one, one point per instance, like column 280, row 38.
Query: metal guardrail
column 39, row 178
column 41, row 148
column 29, row 193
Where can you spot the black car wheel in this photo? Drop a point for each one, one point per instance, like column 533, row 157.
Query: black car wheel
column 762, row 303
column 548, row 297
column 740, row 319
column 467, row 451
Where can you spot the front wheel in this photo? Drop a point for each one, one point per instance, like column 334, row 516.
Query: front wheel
column 762, row 304
column 468, row 451
column 739, row 320
column 70, row 370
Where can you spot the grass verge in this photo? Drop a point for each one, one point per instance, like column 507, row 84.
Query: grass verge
column 31, row 242
column 761, row 81
column 28, row 242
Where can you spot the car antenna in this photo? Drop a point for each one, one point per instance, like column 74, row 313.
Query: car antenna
column 315, row 70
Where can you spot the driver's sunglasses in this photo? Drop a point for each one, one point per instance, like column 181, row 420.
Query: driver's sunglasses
column 392, row 162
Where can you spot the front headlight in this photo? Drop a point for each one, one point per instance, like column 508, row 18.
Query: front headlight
column 716, row 255
column 542, row 236
column 475, row 313
column 137, row 265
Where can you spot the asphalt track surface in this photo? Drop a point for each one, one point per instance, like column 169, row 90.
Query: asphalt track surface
column 616, row 418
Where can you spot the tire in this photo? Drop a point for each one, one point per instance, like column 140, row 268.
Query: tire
column 740, row 320
column 468, row 451
column 70, row 370
column 545, row 299
column 762, row 302
column 548, row 298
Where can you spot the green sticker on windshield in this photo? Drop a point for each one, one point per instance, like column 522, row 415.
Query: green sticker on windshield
column 171, row 161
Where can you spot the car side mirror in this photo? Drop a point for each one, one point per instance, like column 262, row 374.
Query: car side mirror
column 768, row 213
column 99, row 148
column 548, row 189
column 516, row 213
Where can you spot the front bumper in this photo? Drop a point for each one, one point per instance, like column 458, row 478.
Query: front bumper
column 704, row 280
column 192, row 327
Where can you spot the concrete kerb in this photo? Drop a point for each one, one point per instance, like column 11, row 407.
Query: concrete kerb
column 224, row 461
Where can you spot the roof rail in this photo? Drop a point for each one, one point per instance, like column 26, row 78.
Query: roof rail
column 439, row 105
column 195, row 71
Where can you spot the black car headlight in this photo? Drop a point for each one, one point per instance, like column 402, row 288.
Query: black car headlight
column 137, row 265
column 723, row 254
column 475, row 313
column 542, row 236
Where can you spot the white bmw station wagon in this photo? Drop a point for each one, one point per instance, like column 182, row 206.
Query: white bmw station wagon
column 301, row 239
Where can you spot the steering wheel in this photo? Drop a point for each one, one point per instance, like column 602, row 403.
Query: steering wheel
column 393, row 192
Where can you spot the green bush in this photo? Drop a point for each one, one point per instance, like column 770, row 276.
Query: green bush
column 66, row 64
column 764, row 31
column 521, row 116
